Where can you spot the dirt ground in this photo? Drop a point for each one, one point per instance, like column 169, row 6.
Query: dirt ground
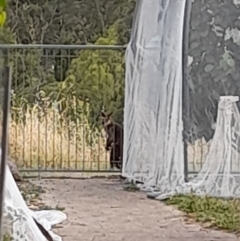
column 100, row 210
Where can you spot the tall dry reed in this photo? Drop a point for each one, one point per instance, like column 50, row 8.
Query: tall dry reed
column 38, row 141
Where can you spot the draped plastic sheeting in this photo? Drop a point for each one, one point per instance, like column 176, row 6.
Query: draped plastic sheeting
column 217, row 177
column 153, row 148
column 153, row 145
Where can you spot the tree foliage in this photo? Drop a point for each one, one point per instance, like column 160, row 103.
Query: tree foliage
column 99, row 77
column 64, row 22
column 74, row 81
column 95, row 78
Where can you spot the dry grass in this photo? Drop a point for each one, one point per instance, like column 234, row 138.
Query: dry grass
column 197, row 153
column 49, row 144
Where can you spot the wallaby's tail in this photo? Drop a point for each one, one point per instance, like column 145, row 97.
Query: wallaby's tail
column 43, row 230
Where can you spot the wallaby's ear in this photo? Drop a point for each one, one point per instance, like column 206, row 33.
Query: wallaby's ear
column 103, row 114
column 110, row 114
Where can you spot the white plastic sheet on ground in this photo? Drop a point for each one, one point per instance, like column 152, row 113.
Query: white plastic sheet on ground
column 18, row 221
column 153, row 146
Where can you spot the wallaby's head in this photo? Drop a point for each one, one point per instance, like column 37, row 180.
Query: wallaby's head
column 108, row 127
column 112, row 130
column 106, row 119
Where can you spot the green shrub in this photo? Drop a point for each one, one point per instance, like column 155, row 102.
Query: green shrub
column 221, row 213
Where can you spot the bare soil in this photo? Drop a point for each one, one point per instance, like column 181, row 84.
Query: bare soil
column 100, row 210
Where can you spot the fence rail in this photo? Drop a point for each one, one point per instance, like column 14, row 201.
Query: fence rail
column 61, row 46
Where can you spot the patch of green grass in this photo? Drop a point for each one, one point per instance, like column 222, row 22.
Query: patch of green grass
column 59, row 208
column 215, row 212
column 7, row 237
column 131, row 187
column 47, row 207
column 31, row 194
column 30, row 191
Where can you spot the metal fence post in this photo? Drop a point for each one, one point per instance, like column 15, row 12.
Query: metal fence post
column 185, row 87
column 4, row 144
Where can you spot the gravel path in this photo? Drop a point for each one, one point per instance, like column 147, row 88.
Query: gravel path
column 100, row 210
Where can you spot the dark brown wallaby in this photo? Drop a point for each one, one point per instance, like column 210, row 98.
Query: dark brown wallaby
column 114, row 141
column 43, row 231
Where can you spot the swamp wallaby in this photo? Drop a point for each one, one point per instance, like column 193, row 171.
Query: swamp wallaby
column 114, row 141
